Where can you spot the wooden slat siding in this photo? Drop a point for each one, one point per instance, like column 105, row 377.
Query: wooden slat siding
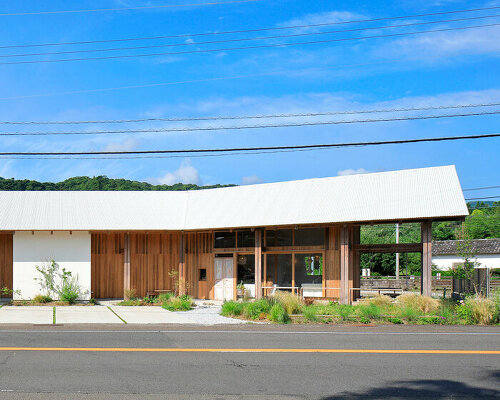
column 344, row 263
column 258, row 263
column 152, row 256
column 426, row 275
column 199, row 254
column 6, row 261
column 355, row 278
column 126, row 267
column 107, row 260
column 332, row 262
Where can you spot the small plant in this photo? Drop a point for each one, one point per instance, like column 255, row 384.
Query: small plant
column 408, row 313
column 178, row 304
column 240, row 286
column 310, row 314
column 49, row 272
column 278, row 314
column 163, row 297
column 365, row 320
column 149, row 300
column 130, row 294
column 257, row 309
column 40, row 298
column 421, row 303
column 290, row 302
column 345, row 311
column 395, row 320
column 93, row 301
column 232, row 308
column 370, row 311
column 7, row 292
column 482, row 310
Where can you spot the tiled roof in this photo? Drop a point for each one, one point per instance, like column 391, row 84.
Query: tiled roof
column 479, row 246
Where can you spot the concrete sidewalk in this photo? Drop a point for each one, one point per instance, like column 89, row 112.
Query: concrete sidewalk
column 103, row 314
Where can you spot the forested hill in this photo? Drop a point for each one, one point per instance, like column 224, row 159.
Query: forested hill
column 95, row 183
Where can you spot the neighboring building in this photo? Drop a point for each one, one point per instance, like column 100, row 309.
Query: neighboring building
column 486, row 251
column 299, row 235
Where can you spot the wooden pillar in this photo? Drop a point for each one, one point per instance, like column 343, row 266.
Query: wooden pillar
column 182, row 264
column 426, row 266
column 356, row 260
column 126, row 266
column 344, row 264
column 258, row 263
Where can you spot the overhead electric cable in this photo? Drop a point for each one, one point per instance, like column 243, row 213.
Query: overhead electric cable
column 481, row 188
column 213, row 3
column 253, row 149
column 262, row 116
column 199, row 51
column 483, row 198
column 251, row 30
column 245, row 39
column 263, row 126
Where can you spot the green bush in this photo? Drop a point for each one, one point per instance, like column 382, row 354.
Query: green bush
column 70, row 290
column 395, row 320
column 365, row 320
column 232, row 308
column 310, row 314
column 345, row 311
column 369, row 311
column 432, row 320
column 408, row 313
column 40, row 298
column 278, row 314
column 257, row 309
column 164, row 297
column 178, row 304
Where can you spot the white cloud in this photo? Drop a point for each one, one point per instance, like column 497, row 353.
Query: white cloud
column 322, row 18
column 358, row 171
column 189, row 41
column 186, row 173
column 251, row 180
column 126, row 145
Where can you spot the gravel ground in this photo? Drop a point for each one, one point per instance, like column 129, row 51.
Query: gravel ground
column 209, row 315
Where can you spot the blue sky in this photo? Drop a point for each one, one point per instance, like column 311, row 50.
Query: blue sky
column 455, row 67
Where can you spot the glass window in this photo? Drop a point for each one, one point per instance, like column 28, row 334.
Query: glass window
column 203, row 274
column 279, row 270
column 279, row 237
column 225, row 240
column 310, row 237
column 246, row 268
column 308, row 269
column 246, row 239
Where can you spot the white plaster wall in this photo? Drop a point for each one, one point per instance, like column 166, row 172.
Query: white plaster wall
column 70, row 251
column 487, row 260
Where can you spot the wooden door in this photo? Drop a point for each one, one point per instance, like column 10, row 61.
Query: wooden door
column 6, row 262
column 223, row 272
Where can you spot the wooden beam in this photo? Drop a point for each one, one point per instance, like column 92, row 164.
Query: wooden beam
column 389, row 248
column 126, row 266
column 426, row 266
column 258, row 263
column 182, row 264
column 344, row 264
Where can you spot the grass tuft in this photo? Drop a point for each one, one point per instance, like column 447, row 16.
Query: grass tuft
column 290, row 301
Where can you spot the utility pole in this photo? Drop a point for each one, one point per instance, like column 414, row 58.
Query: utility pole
column 397, row 254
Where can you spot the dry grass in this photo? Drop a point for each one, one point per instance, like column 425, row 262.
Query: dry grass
column 416, row 301
column 290, row 302
column 380, row 300
column 483, row 310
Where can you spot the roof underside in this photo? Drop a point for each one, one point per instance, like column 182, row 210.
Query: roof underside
column 386, row 196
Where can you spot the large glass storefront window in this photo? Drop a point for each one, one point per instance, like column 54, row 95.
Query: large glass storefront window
column 279, row 270
column 310, row 237
column 246, row 239
column 279, row 237
column 246, row 269
column 308, row 269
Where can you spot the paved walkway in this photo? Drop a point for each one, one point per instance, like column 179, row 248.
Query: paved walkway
column 103, row 314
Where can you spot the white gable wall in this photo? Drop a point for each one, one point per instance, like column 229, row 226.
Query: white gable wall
column 445, row 262
column 70, row 251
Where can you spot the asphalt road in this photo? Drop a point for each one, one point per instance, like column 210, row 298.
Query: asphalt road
column 181, row 361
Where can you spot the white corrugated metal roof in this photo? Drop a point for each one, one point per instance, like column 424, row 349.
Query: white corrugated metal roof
column 396, row 195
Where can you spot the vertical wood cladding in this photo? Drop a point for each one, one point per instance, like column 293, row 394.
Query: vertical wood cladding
column 332, row 272
column 199, row 255
column 107, row 259
column 152, row 257
column 6, row 261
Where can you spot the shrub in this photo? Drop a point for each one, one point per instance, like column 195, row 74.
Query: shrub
column 310, row 314
column 40, row 298
column 345, row 311
column 149, row 300
column 482, row 309
column 178, row 304
column 257, row 308
column 364, row 320
column 369, row 311
column 395, row 320
column 278, row 314
column 164, row 297
column 380, row 300
column 93, row 301
column 429, row 320
column 408, row 313
column 130, row 294
column 421, row 303
column 290, row 301
column 232, row 308
column 70, row 289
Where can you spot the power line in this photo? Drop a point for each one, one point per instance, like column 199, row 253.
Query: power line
column 246, row 39
column 126, row 8
column 250, row 150
column 483, row 198
column 252, row 30
column 240, row 117
column 482, row 188
column 199, row 51
column 263, row 126
column 200, row 80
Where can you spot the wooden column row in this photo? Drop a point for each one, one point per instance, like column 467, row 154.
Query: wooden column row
column 426, row 266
